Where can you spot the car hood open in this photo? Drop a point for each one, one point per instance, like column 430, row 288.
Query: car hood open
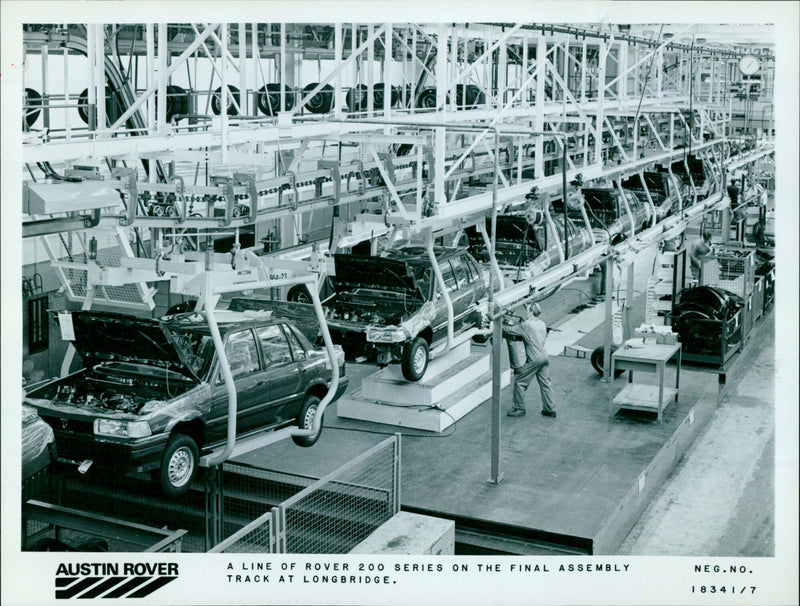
column 357, row 271
column 105, row 336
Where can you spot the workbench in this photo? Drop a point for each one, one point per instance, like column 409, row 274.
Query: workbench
column 652, row 359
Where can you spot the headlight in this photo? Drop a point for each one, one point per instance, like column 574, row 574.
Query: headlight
column 386, row 335
column 122, row 429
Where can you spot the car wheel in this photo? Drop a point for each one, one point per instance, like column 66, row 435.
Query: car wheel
column 415, row 359
column 299, row 294
column 178, row 465
column 305, row 420
column 597, row 360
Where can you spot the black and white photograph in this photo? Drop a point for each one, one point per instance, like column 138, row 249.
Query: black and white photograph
column 400, row 303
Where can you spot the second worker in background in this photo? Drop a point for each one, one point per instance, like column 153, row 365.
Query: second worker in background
column 526, row 335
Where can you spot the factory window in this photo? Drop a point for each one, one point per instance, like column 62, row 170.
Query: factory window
column 38, row 327
column 274, row 345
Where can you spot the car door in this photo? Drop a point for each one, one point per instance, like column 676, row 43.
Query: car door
column 439, row 323
column 464, row 294
column 575, row 237
column 641, row 211
column 283, row 373
column 250, row 382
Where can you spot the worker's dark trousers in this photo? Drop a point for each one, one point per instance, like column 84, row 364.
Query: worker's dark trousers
column 522, row 379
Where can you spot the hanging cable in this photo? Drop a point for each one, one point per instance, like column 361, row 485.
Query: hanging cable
column 691, row 94
column 647, row 79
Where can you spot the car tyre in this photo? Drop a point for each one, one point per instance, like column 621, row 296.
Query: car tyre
column 299, row 293
column 178, row 465
column 597, row 360
column 415, row 359
column 305, row 420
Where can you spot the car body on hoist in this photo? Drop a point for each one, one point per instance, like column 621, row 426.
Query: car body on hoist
column 390, row 308
column 612, row 218
column 664, row 191
column 524, row 247
column 151, row 395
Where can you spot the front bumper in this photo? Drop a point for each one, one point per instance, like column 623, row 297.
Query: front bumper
column 140, row 454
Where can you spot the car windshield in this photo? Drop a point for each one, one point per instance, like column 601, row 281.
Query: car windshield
column 422, row 275
column 196, row 349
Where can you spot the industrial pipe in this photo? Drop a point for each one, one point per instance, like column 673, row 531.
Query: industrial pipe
column 492, row 260
column 437, row 272
column 627, row 207
column 311, row 283
column 552, row 226
column 649, row 198
column 225, row 368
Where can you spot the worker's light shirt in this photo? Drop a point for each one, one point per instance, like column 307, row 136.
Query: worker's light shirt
column 534, row 333
column 697, row 250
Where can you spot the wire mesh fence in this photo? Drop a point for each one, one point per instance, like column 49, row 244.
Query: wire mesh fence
column 249, row 494
column 731, row 270
column 339, row 511
column 256, row 537
column 105, row 247
column 330, row 515
column 48, row 527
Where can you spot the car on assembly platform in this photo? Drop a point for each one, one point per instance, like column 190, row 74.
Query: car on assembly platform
column 609, row 213
column 389, row 308
column 664, row 191
column 699, row 170
column 525, row 248
column 151, row 398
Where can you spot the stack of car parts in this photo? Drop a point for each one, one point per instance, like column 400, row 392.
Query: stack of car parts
column 708, row 320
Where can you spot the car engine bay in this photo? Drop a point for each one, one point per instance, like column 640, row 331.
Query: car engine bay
column 100, row 389
column 372, row 306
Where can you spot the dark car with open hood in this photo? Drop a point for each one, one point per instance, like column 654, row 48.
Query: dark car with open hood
column 151, row 396
column 389, row 307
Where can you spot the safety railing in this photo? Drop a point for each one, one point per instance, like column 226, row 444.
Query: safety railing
column 333, row 514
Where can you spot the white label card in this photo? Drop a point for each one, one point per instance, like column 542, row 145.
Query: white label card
column 67, row 329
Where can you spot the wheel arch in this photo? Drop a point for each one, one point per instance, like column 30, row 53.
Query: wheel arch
column 427, row 334
column 317, row 389
column 194, row 428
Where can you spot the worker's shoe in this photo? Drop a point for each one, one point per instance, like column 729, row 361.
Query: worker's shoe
column 549, row 413
column 517, row 412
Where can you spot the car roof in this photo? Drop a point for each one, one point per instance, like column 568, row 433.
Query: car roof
column 226, row 320
column 418, row 254
column 598, row 192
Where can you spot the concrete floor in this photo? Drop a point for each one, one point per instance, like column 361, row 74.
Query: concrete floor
column 720, row 499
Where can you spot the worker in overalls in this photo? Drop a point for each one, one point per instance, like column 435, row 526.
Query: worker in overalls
column 526, row 334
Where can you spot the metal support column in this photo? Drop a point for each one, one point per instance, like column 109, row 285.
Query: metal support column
column 338, row 95
column 538, row 123
column 214, row 506
column 398, row 468
column 628, row 299
column 150, row 62
column 601, row 96
column 609, row 328
column 496, row 476
column 161, row 99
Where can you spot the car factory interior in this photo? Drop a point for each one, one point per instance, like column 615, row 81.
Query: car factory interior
column 284, row 286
